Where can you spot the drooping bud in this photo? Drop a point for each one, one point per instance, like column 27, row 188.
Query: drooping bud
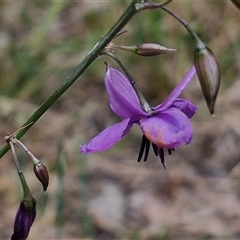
column 24, row 218
column 41, row 173
column 207, row 69
column 209, row 75
column 236, row 3
column 147, row 49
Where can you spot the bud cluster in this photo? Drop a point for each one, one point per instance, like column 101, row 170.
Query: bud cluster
column 27, row 210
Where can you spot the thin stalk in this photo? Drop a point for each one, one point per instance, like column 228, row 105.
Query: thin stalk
column 26, row 190
column 92, row 55
column 31, row 156
column 15, row 157
column 197, row 41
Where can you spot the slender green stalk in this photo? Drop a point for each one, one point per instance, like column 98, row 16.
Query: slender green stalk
column 199, row 44
column 92, row 55
column 15, row 158
column 26, row 190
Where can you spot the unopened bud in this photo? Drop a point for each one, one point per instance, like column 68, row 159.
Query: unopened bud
column 42, row 174
column 207, row 69
column 147, row 49
column 236, row 3
column 152, row 49
column 24, row 218
column 209, row 75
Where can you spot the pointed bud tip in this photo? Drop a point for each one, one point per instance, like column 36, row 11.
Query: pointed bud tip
column 212, row 113
column 41, row 173
column 211, row 108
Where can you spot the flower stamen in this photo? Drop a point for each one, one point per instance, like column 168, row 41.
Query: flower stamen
column 147, row 147
column 155, row 149
column 142, row 148
column 170, row 150
column 161, row 155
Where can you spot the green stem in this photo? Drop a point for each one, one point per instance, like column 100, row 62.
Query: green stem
column 199, row 44
column 92, row 55
column 11, row 144
column 26, row 190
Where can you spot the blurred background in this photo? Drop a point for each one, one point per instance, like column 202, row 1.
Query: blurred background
column 109, row 195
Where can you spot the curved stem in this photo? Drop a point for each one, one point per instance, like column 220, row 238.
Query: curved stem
column 197, row 41
column 92, row 55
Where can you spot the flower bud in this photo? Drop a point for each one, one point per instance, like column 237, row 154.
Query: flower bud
column 236, row 3
column 207, row 69
column 209, row 75
column 24, row 218
column 152, row 49
column 147, row 49
column 42, row 174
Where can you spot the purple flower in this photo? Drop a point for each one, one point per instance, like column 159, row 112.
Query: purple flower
column 167, row 126
column 24, row 218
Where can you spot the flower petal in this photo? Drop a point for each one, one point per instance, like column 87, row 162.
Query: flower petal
column 123, row 99
column 185, row 106
column 177, row 90
column 168, row 129
column 108, row 137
